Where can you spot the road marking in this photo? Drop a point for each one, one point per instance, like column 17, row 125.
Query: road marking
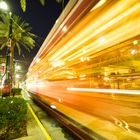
column 39, row 123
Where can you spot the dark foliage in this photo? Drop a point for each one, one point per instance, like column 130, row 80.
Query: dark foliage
column 13, row 116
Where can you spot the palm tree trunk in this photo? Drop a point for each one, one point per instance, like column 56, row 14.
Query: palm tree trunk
column 11, row 67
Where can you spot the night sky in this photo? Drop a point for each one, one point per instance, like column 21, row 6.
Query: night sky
column 41, row 19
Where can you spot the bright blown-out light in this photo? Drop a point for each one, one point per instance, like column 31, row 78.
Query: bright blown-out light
column 114, row 91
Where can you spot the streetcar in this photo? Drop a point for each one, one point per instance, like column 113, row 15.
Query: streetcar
column 88, row 68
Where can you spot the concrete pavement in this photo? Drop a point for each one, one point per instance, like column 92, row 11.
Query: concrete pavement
column 35, row 129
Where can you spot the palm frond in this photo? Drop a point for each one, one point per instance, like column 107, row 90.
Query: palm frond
column 59, row 1
column 20, row 33
column 42, row 2
column 2, row 46
column 18, row 48
column 28, row 41
column 5, row 18
column 23, row 5
column 25, row 46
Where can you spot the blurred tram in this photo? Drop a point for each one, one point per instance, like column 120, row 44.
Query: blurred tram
column 88, row 68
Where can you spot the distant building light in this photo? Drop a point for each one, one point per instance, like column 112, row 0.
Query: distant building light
column 3, row 64
column 106, row 78
column 17, row 76
column 18, row 67
column 105, row 73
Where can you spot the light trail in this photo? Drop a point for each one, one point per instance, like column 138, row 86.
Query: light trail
column 116, row 91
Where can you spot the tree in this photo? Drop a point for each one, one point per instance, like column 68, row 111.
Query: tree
column 23, row 3
column 21, row 37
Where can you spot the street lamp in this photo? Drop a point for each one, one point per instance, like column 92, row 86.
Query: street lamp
column 3, row 5
column 10, row 51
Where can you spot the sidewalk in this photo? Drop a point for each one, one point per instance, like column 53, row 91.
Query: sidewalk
column 35, row 130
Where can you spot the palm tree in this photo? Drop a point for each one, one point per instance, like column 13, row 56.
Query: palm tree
column 23, row 3
column 20, row 36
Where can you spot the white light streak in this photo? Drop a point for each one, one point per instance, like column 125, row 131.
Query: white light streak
column 57, row 63
column 53, row 106
column 88, row 58
column 84, row 50
column 82, row 59
column 114, row 91
column 100, row 3
column 64, row 29
column 81, row 76
column 37, row 60
column 101, row 40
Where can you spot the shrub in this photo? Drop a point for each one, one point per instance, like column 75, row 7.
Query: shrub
column 16, row 91
column 13, row 116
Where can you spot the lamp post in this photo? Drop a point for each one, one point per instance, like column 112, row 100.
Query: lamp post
column 10, row 53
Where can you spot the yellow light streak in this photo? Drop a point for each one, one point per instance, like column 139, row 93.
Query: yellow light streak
column 100, row 3
column 99, row 33
column 110, row 36
column 81, row 37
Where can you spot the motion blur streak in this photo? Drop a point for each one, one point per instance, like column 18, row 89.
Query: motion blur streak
column 88, row 68
column 120, row 91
